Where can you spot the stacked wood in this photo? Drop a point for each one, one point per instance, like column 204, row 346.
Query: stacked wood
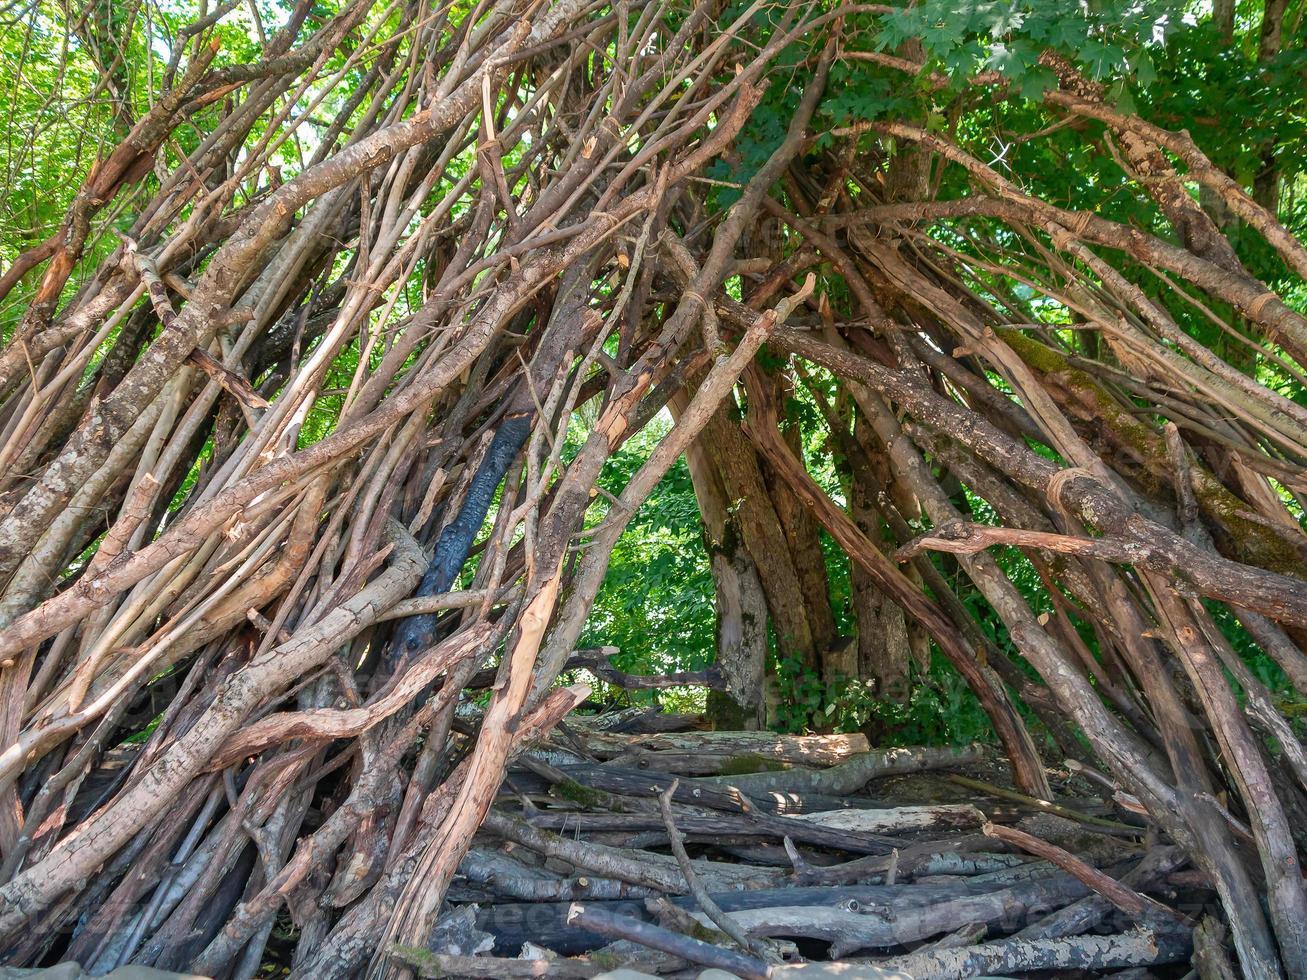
column 575, row 857
column 297, row 457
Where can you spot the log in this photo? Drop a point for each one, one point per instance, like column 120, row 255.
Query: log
column 702, row 793
column 1138, row 947
column 428, row 964
column 859, row 926
column 657, row 871
column 851, row 776
column 1126, row 899
column 1092, row 909
column 928, row 858
column 630, row 781
column 733, row 825
column 921, row 911
column 656, row 937
column 898, row 819
column 689, row 764
column 511, row 879
column 803, row 750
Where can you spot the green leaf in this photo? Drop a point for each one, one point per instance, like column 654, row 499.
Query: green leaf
column 1036, row 82
column 1102, row 59
column 1142, row 65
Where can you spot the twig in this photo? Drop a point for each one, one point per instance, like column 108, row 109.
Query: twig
column 1126, row 899
column 656, row 937
column 710, row 908
column 1047, row 807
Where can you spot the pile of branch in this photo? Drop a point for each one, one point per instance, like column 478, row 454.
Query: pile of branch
column 582, row 866
column 303, row 412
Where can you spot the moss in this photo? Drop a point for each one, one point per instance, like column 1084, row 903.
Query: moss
column 1039, row 356
column 422, row 960
column 606, row 961
column 571, row 790
column 704, row 934
column 725, row 714
column 1242, row 539
column 741, row 765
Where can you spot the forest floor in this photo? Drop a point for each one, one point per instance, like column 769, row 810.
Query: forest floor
column 635, row 841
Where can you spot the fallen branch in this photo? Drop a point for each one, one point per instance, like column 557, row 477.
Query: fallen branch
column 1139, row 947
column 851, row 776
column 803, row 750
column 1126, row 899
column 710, row 908
column 656, row 937
column 1092, row 909
column 886, row 916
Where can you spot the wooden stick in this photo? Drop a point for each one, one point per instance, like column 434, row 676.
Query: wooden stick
column 1139, row 947
column 656, row 937
column 710, row 908
column 1126, row 899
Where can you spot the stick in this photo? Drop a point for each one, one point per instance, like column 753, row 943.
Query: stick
column 710, row 908
column 1045, row 805
column 1089, row 911
column 1126, row 899
column 428, row 964
column 656, row 937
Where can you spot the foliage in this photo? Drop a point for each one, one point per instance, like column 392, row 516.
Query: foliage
column 656, row 602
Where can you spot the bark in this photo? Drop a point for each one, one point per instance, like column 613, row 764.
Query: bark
column 852, row 775
column 1028, row 770
column 763, row 536
column 249, row 448
column 811, row 750
column 1138, row 948
column 922, row 909
column 656, row 937
column 741, row 602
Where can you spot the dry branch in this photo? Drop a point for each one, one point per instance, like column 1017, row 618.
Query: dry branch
column 310, row 393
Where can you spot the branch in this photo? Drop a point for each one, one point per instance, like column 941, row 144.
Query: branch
column 710, row 908
column 656, row 937
column 967, row 538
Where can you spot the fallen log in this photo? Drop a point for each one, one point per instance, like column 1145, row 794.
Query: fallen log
column 629, row 781
column 657, row 871
column 734, row 825
column 919, row 911
column 1138, row 947
column 876, row 926
column 428, row 964
column 656, row 937
column 1123, row 897
column 855, row 773
column 504, row 877
column 927, row 858
column 1092, row 909
column 898, row 819
column 583, row 780
column 742, row 747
